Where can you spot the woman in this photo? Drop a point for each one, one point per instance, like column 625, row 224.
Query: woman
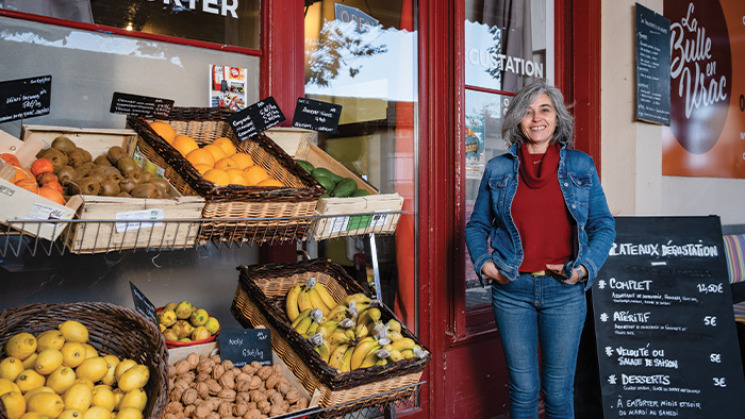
column 544, row 212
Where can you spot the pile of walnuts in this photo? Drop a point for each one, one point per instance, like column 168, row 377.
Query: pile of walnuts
column 207, row 388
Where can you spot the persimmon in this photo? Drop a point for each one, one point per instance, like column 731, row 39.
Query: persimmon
column 28, row 184
column 41, row 165
column 46, row 177
column 54, row 185
column 52, row 194
column 10, row 159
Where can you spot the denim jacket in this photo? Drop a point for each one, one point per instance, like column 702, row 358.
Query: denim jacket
column 583, row 196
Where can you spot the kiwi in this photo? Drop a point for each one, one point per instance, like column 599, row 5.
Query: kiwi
column 76, row 158
column 124, row 195
column 85, row 186
column 63, row 144
column 146, row 176
column 87, row 158
column 58, row 158
column 102, row 160
column 161, row 183
column 137, row 175
column 98, row 173
column 66, row 175
column 127, row 184
column 115, row 153
column 85, row 168
column 109, row 188
column 127, row 165
column 145, row 190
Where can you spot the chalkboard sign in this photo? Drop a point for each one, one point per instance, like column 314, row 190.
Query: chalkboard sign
column 142, row 304
column 142, row 106
column 243, row 346
column 256, row 118
column 664, row 324
column 316, row 115
column 25, row 98
column 652, row 66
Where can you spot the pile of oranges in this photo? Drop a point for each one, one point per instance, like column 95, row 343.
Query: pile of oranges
column 219, row 162
column 39, row 178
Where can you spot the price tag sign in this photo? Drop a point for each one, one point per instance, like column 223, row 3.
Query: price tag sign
column 243, row 346
column 316, row 115
column 142, row 304
column 256, row 118
column 143, row 106
column 25, row 98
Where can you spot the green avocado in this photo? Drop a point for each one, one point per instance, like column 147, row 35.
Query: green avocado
column 305, row 165
column 326, row 182
column 344, row 188
column 322, row 171
column 360, row 192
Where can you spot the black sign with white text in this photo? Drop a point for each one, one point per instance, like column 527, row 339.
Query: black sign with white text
column 256, row 118
column 142, row 106
column 25, row 98
column 243, row 346
column 652, row 66
column 142, row 304
column 664, row 324
column 316, row 115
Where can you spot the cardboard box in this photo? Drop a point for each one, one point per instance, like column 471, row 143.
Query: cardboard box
column 336, row 219
column 17, row 203
column 117, row 223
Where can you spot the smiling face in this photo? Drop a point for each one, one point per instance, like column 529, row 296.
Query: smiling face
column 539, row 124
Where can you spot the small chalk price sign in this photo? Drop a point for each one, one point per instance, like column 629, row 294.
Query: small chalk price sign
column 25, row 98
column 142, row 304
column 256, row 118
column 142, row 106
column 316, row 115
column 243, row 346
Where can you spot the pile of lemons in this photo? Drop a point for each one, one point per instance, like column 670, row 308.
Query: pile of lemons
column 58, row 374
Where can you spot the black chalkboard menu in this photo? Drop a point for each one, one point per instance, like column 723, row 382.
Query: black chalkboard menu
column 142, row 304
column 243, row 346
column 664, row 324
column 316, row 115
column 256, row 118
column 652, row 66
column 25, row 98
column 143, row 106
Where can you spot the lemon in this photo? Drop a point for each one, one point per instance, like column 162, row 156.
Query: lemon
column 92, row 369
column 97, row 412
column 103, row 396
column 73, row 354
column 118, row 395
column 136, row 398
column 85, row 381
column 90, row 351
column 48, row 361
column 30, row 362
column 78, row 397
column 34, row 415
column 53, row 339
column 10, row 367
column 74, row 331
column 129, row 413
column 134, row 378
column 7, row 385
column 37, row 390
column 29, row 380
column 49, row 404
column 70, row 414
column 61, row 379
column 21, row 345
column 123, row 366
column 15, row 404
column 111, row 362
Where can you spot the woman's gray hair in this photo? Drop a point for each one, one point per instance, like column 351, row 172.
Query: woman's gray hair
column 519, row 106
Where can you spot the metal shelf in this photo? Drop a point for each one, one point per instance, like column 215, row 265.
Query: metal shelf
column 148, row 235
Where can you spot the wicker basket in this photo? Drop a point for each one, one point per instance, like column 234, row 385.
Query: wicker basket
column 112, row 330
column 275, row 214
column 259, row 300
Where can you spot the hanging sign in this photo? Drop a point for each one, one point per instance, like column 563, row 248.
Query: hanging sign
column 142, row 304
column 256, row 118
column 243, row 346
column 25, row 98
column 652, row 66
column 142, row 106
column 316, row 115
column 664, row 325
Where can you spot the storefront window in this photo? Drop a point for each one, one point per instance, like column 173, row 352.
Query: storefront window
column 362, row 55
column 507, row 43
column 225, row 22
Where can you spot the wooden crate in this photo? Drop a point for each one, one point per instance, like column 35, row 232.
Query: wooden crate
column 336, row 218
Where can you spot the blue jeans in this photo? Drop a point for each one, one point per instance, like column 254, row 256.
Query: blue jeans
column 540, row 310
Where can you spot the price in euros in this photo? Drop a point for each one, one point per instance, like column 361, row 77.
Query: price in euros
column 710, row 321
column 710, row 288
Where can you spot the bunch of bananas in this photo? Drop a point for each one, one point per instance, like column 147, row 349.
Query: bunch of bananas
column 349, row 334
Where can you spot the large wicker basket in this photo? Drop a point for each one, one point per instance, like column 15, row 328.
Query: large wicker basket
column 112, row 330
column 259, row 300
column 275, row 214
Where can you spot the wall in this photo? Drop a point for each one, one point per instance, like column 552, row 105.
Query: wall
column 632, row 151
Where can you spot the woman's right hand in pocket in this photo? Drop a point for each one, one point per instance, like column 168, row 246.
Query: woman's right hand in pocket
column 489, row 270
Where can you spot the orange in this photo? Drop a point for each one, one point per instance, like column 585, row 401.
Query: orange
column 201, row 156
column 29, row 184
column 184, row 144
column 255, row 174
column 226, row 163
column 40, row 166
column 164, row 129
column 202, row 168
column 52, row 194
column 21, row 174
column 226, row 145
column 216, row 151
column 237, row 177
column 270, row 182
column 10, row 159
column 243, row 160
column 217, row 176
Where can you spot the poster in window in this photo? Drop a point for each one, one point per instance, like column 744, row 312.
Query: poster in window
column 475, row 158
column 227, row 87
column 706, row 137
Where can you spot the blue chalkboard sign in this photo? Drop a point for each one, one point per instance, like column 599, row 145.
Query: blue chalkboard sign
column 243, row 346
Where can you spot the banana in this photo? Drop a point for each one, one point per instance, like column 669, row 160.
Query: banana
column 361, row 330
column 356, row 298
column 323, row 292
column 394, row 325
column 312, row 328
column 382, row 362
column 395, row 356
column 337, row 313
column 302, row 315
column 316, row 302
column 335, row 359
column 303, row 325
column 403, row 344
column 327, row 328
column 371, row 358
column 408, row 353
column 303, row 300
column 394, row 336
column 350, row 334
column 291, row 302
column 324, row 350
column 360, row 351
column 345, row 360
column 338, row 338
column 371, row 314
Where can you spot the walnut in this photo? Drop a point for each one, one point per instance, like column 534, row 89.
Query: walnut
column 182, row 366
column 203, row 389
column 174, row 394
column 227, row 364
column 189, row 410
column 205, row 365
column 217, row 371
column 213, row 386
column 256, row 383
column 292, row 396
column 225, row 409
column 242, row 397
column 264, row 372
column 276, row 410
column 252, row 414
column 240, row 408
column 190, row 396
column 276, row 399
column 272, row 381
column 277, row 368
column 248, row 369
column 242, row 385
column 193, row 360
column 302, row 403
column 264, row 406
column 174, row 407
column 203, row 376
column 257, row 395
column 226, row 394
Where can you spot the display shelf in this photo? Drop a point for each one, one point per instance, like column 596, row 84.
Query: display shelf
column 138, row 234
